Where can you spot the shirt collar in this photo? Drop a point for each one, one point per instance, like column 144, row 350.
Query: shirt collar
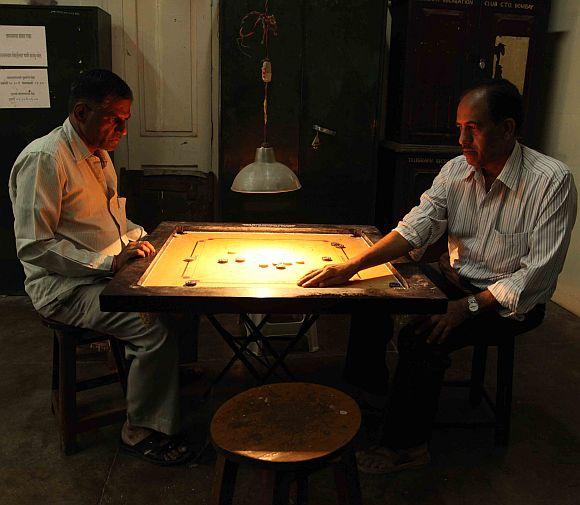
column 470, row 171
column 79, row 148
column 510, row 173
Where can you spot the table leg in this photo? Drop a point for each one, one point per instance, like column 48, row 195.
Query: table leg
column 258, row 336
column 238, row 352
column 309, row 320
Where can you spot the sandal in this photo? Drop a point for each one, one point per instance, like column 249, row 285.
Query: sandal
column 155, row 448
column 380, row 460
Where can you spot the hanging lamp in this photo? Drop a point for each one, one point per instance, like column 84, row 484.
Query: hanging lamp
column 265, row 174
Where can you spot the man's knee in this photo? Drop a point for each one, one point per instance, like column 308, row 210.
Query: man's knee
column 414, row 349
column 144, row 333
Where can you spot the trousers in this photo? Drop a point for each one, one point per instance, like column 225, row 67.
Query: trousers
column 421, row 367
column 153, row 347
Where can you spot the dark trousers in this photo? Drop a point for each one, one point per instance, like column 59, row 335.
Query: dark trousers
column 421, row 366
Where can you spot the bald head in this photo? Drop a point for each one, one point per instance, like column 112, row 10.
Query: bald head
column 486, row 141
column 502, row 98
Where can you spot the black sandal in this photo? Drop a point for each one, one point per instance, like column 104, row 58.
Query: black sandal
column 156, row 447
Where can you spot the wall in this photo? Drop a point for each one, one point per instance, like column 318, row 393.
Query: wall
column 560, row 130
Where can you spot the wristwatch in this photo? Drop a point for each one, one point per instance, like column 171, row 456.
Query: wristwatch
column 472, row 305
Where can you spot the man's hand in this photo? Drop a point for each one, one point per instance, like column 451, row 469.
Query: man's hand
column 138, row 249
column 330, row 275
column 441, row 324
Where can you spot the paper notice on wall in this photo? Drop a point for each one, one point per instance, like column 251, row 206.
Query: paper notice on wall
column 23, row 46
column 24, row 88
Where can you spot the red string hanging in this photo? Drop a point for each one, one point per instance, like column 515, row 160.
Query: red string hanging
column 267, row 23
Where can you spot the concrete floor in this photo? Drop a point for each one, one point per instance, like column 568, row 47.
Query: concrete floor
column 541, row 466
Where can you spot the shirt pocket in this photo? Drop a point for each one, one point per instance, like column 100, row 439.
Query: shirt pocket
column 505, row 251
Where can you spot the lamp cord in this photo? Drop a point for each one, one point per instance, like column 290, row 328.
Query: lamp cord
column 268, row 24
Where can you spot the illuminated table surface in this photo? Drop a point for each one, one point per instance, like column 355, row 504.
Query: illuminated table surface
column 242, row 268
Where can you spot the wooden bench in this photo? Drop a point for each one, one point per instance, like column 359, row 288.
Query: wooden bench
column 65, row 386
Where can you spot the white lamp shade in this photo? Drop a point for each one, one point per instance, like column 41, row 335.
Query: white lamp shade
column 265, row 175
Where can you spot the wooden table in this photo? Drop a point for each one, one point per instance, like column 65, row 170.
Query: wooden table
column 216, row 268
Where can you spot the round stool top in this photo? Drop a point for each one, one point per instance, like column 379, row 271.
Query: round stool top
column 286, row 423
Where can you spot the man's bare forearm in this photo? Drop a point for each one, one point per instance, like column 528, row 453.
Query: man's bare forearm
column 391, row 246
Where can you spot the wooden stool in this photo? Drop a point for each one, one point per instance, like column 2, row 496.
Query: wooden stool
column 286, row 431
column 65, row 385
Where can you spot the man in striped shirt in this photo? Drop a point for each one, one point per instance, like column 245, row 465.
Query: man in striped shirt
column 72, row 234
column 509, row 212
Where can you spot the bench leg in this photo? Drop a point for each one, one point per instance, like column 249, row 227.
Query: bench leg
column 67, row 402
column 55, row 374
column 302, row 488
column 346, row 478
column 224, row 481
column 274, row 487
column 503, row 401
column 477, row 374
column 120, row 362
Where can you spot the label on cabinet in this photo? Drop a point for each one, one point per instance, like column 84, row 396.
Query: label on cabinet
column 22, row 46
column 24, row 88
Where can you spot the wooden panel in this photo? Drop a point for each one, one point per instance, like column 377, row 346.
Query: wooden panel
column 156, row 195
column 404, row 174
column 438, row 62
column 432, row 60
column 168, row 98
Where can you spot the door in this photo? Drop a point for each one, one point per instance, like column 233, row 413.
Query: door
column 167, row 61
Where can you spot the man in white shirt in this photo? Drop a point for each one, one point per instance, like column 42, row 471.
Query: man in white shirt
column 72, row 234
column 509, row 213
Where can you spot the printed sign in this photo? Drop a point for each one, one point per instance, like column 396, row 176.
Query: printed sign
column 23, row 46
column 24, row 88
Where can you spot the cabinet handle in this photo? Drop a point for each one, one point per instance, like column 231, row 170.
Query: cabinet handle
column 482, row 64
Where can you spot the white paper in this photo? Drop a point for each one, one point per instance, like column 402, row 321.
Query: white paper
column 23, row 46
column 24, row 88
